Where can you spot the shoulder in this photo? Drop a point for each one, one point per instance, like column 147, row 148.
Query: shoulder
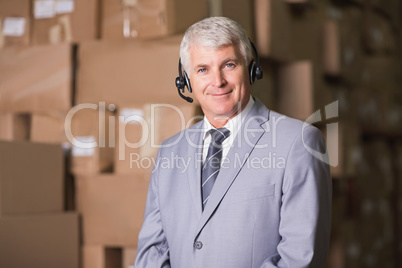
column 291, row 127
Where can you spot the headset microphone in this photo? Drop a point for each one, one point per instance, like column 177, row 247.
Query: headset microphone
column 182, row 81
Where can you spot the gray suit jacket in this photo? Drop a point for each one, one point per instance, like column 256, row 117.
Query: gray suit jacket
column 270, row 205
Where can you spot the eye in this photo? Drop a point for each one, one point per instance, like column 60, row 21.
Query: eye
column 202, row 70
column 230, row 65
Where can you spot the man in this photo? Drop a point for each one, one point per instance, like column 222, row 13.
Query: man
column 264, row 202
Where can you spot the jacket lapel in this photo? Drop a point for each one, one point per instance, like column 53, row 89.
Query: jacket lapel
column 195, row 143
column 238, row 154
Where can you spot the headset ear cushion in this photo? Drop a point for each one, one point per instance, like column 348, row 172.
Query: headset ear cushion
column 180, row 83
column 187, row 82
column 252, row 70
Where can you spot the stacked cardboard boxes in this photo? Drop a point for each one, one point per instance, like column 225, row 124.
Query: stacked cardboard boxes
column 60, row 21
column 36, row 82
column 15, row 23
column 336, row 66
column 150, row 18
column 42, row 106
column 33, row 220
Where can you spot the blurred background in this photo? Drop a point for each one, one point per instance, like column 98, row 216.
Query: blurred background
column 87, row 93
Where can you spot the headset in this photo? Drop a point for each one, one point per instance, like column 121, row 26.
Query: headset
column 182, row 80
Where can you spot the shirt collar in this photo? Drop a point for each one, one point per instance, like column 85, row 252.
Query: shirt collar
column 233, row 124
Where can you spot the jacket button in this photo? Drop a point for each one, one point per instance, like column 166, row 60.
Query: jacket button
column 198, row 244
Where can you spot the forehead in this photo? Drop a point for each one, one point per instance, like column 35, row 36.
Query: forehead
column 202, row 54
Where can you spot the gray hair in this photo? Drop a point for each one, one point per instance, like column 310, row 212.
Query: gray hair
column 215, row 32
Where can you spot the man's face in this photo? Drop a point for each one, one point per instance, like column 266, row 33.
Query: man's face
column 220, row 82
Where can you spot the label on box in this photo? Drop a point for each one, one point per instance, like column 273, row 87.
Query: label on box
column 84, row 146
column 44, row 9
column 130, row 3
column 132, row 116
column 64, row 6
column 14, row 26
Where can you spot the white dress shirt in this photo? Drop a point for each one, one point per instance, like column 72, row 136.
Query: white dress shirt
column 233, row 125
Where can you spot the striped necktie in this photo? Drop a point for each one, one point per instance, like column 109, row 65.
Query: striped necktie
column 212, row 164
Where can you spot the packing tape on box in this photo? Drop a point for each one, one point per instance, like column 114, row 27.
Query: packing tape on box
column 133, row 9
column 55, row 34
column 66, row 23
column 130, row 3
column 127, row 22
column 61, row 32
column 50, row 82
column 151, row 11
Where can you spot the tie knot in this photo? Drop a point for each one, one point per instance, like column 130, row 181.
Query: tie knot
column 219, row 135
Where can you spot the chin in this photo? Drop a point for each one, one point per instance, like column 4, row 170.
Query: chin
column 225, row 112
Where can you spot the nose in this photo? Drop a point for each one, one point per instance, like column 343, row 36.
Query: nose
column 218, row 78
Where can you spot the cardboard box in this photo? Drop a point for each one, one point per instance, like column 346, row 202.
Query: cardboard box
column 151, row 18
column 398, row 161
column 142, row 129
column 58, row 21
column 306, row 33
column 351, row 52
column 342, row 49
column 112, row 208
column 37, row 241
column 31, row 178
column 367, row 109
column 377, row 100
column 48, row 128
column 14, row 127
column 129, row 254
column 273, row 29
column 298, row 1
column 378, row 33
column 124, row 73
column 301, row 90
column 331, row 48
column 238, row 10
column 344, row 148
column 36, row 79
column 15, row 23
column 295, row 84
column 98, row 256
column 381, row 74
column 376, row 173
column 390, row 8
column 90, row 130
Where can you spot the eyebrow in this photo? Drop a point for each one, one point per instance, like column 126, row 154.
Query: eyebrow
column 203, row 65
column 230, row 59
column 200, row 66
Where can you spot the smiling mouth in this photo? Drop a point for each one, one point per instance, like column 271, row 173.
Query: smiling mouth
column 220, row 94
